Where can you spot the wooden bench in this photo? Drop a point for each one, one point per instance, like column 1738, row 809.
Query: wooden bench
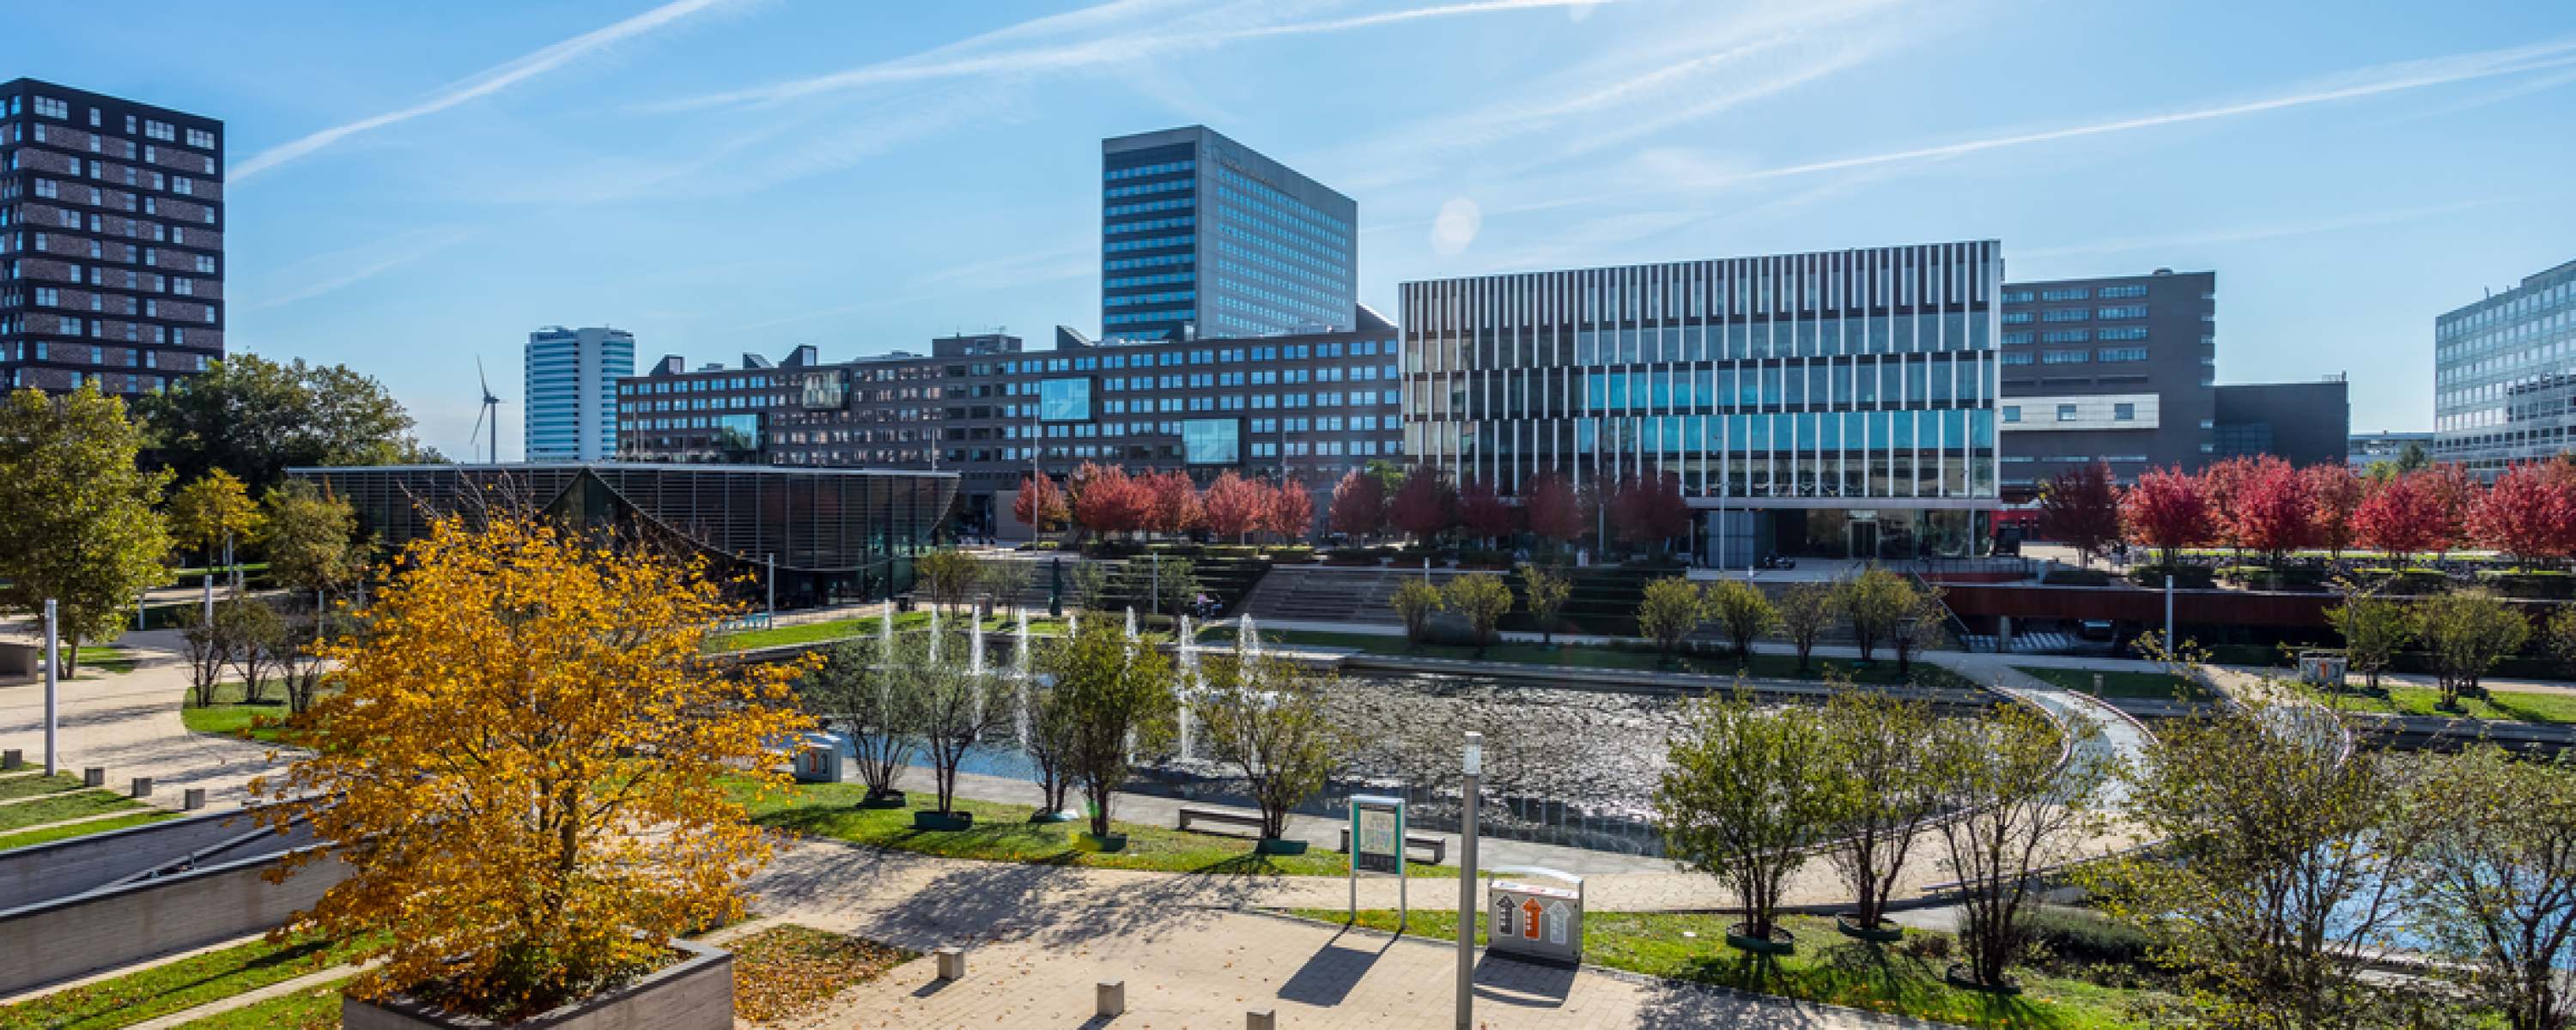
column 1219, row 815
column 1439, row 848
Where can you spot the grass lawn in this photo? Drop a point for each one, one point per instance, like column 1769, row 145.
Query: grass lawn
column 1002, row 833
column 813, row 632
column 72, row 805
column 30, row 786
column 2502, row 705
column 34, row 837
column 163, row 989
column 786, row 971
column 1764, row 665
column 230, row 715
column 1897, row 980
column 313, row 1008
column 2146, row 686
column 115, row 660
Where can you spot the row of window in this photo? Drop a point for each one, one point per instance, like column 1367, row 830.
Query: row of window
column 52, row 107
column 1173, row 204
column 1144, row 171
column 2066, row 413
column 2075, row 314
column 1151, row 187
column 1297, row 209
column 1219, row 356
column 1157, row 261
column 1156, row 243
column 97, row 144
column 1160, row 223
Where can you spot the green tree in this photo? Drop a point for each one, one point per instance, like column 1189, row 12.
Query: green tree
column 949, row 577
column 1481, row 598
column 2498, row 869
column 1544, row 593
column 1168, row 582
column 2285, row 872
column 259, row 418
column 211, row 512
column 1875, row 602
column 2020, row 811
column 82, row 529
column 954, row 705
column 1002, row 579
column 2559, row 635
column 1747, row 789
column 1886, row 754
column 1051, row 742
column 856, row 691
column 2466, row 633
column 1746, row 614
column 1671, row 609
column 1119, row 698
column 1265, row 715
column 310, row 538
column 1415, row 599
column 2374, row 630
column 1807, row 612
column 258, row 636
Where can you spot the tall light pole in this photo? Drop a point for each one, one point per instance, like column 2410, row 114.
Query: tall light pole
column 53, row 656
column 1468, row 904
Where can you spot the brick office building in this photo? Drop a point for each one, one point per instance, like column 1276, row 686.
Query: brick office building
column 111, row 240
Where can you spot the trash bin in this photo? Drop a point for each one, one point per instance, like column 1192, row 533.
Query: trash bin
column 903, row 602
column 818, row 759
column 1532, row 921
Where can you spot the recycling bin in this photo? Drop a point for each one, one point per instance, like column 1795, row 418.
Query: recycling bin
column 818, row 759
column 2321, row 668
column 1535, row 921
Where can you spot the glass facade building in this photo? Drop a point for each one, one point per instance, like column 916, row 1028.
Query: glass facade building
column 1838, row 403
column 1203, row 237
column 2504, row 375
column 827, row 535
column 571, row 387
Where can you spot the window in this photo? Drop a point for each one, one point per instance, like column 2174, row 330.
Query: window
column 2066, row 336
column 2124, row 412
column 2074, row 294
column 52, row 108
column 2115, row 292
column 2130, row 333
column 2012, row 413
column 2066, row 413
column 159, row 130
column 2019, row 297
column 2014, row 338
column 2132, row 311
column 201, row 138
column 2016, row 318
column 2124, row 354
column 2022, row 357
column 2064, row 357
column 2065, row 315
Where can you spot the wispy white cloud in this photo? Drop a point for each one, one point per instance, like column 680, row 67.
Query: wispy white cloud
column 2366, row 82
column 487, row 82
column 358, row 264
column 1204, row 30
column 2273, row 230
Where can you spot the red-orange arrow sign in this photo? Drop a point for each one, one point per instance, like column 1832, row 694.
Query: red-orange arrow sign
column 1530, row 912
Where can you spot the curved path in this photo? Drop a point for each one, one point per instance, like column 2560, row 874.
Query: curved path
column 129, row 724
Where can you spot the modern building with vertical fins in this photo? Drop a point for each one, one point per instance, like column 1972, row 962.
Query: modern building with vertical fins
column 572, row 379
column 1203, row 237
column 2504, row 375
column 1836, row 404
column 111, row 241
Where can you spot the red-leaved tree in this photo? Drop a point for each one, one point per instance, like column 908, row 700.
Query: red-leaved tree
column 1482, row 511
column 2220, row 482
column 1234, row 505
column 1290, row 511
column 1552, row 510
column 1107, row 500
column 2274, row 513
column 2525, row 515
column 1426, row 506
column 1174, row 505
column 2080, row 507
column 2167, row 511
column 1359, row 505
column 2402, row 517
column 1649, row 509
column 2456, row 493
column 1040, row 505
column 2337, row 494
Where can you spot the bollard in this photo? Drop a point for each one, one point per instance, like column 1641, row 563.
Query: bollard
column 2097, row 684
column 1261, row 1019
column 1112, row 998
column 195, row 799
column 12, row 759
column 952, row 963
column 94, row 776
column 142, row 786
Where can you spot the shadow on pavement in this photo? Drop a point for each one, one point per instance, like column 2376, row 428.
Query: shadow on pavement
column 1509, row 981
column 1329, row 974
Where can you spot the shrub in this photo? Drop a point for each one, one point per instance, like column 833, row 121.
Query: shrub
column 2186, row 577
column 1181, row 550
column 2077, row 935
column 1356, row 554
column 1230, row 551
column 1113, row 549
column 1292, row 555
column 2077, row 578
column 1485, row 557
column 2554, row 585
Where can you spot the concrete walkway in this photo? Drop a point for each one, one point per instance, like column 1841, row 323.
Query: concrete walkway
column 129, row 724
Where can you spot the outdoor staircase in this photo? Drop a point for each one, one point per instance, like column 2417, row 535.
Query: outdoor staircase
column 1324, row 594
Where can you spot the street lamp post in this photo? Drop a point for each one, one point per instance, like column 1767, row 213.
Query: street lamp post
column 1473, row 765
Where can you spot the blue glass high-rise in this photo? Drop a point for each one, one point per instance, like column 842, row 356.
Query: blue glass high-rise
column 1204, row 237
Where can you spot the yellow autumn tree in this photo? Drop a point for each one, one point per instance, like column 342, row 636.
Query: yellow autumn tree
column 528, row 757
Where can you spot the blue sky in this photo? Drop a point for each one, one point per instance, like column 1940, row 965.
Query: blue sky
column 417, row 185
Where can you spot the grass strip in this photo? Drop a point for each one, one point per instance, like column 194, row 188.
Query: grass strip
column 55, row 833
column 29, row 786
column 2500, row 705
column 788, row 971
column 2144, row 686
column 176, row 986
column 816, row 632
column 311, row 1008
column 62, row 807
column 1002, row 833
column 1904, row 979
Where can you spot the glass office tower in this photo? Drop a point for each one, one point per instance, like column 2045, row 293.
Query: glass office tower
column 1204, row 237
column 1838, row 404
column 571, row 388
column 2504, row 375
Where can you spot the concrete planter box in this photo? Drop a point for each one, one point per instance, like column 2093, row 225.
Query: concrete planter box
column 945, row 822
column 693, row 994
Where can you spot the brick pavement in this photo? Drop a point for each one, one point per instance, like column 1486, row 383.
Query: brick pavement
column 129, row 723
